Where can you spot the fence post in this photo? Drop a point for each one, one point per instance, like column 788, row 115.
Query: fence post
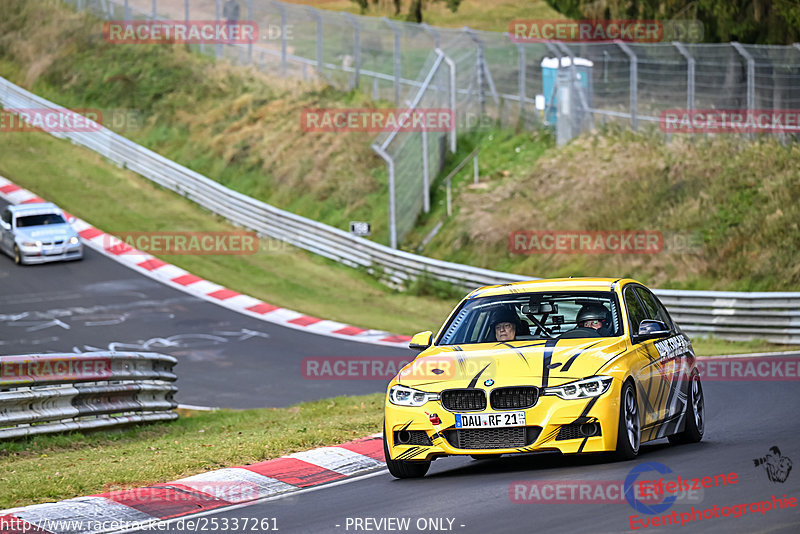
column 282, row 9
column 634, row 82
column 751, row 69
column 479, row 70
column 426, row 193
column 218, row 48
column 397, row 53
column 452, row 66
column 430, row 31
column 475, row 168
column 521, row 78
column 318, row 19
column 185, row 10
column 155, row 9
column 392, row 220
column 690, row 65
column 250, row 20
column 356, row 77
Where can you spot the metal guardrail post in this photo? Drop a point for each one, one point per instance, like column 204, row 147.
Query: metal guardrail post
column 751, row 69
column 396, row 59
column 356, row 76
column 392, row 217
column 634, row 82
column 690, row 66
column 452, row 66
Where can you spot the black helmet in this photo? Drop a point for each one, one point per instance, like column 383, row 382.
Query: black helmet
column 505, row 315
column 592, row 312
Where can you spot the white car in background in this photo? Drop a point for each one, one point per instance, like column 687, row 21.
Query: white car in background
column 38, row 233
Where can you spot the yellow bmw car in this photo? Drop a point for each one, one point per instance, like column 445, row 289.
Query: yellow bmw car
column 574, row 365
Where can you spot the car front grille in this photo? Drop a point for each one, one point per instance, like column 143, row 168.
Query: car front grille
column 492, row 438
column 512, row 398
column 464, row 400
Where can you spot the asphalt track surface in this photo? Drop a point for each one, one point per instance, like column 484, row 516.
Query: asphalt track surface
column 225, row 359
column 744, row 420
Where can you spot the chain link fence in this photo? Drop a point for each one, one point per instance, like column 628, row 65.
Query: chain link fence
column 487, row 78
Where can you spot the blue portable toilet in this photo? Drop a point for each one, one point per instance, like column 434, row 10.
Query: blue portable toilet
column 550, row 67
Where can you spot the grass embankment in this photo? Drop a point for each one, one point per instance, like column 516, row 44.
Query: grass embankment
column 49, row 468
column 236, row 125
column 728, row 209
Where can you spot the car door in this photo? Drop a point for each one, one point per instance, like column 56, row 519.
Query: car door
column 647, row 373
column 674, row 354
column 6, row 234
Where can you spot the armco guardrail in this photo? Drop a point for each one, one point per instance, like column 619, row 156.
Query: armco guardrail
column 59, row 392
column 770, row 316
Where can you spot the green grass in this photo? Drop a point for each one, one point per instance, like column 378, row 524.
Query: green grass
column 48, row 468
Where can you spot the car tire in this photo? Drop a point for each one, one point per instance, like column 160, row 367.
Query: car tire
column 17, row 255
column 629, row 433
column 695, row 415
column 403, row 469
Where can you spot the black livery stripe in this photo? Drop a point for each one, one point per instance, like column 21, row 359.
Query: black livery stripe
column 548, row 355
column 567, row 365
column 475, row 379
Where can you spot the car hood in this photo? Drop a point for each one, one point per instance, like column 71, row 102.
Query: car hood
column 539, row 363
column 46, row 232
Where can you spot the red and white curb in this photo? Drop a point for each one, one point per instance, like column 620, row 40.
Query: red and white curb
column 199, row 493
column 185, row 281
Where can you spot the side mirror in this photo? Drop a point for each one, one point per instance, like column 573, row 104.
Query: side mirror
column 421, row 341
column 5, row 225
column 649, row 329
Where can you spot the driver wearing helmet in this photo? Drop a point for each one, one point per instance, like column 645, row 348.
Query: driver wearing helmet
column 594, row 316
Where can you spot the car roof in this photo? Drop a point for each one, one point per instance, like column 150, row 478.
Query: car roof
column 550, row 285
column 35, row 207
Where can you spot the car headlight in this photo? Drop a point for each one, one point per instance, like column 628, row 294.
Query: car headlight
column 74, row 240
column 403, row 396
column 31, row 243
column 581, row 389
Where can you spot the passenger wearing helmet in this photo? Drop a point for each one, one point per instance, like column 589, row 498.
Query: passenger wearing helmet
column 505, row 324
column 594, row 316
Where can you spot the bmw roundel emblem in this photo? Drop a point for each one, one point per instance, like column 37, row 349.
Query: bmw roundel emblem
column 489, row 382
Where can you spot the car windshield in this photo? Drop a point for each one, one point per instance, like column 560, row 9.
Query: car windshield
column 40, row 220
column 531, row 316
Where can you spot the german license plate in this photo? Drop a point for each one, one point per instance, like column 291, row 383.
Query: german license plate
column 489, row 420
